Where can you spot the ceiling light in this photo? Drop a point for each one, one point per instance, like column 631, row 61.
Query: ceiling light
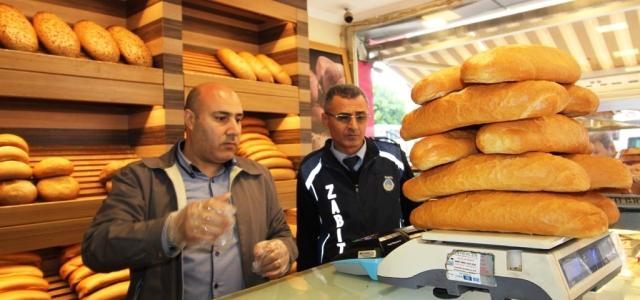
column 433, row 23
column 439, row 18
column 629, row 52
column 612, row 27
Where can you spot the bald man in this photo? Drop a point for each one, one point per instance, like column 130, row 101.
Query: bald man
column 196, row 222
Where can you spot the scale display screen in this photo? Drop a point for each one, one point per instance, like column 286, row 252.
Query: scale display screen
column 584, row 262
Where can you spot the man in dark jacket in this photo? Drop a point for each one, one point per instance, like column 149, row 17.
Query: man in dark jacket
column 350, row 188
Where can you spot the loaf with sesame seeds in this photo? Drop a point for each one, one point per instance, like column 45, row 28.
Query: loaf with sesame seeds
column 131, row 46
column 16, row 32
column 97, row 41
column 56, row 35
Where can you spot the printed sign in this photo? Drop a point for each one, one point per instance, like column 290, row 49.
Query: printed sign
column 471, row 267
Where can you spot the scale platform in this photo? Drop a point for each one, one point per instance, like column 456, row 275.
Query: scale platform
column 495, row 239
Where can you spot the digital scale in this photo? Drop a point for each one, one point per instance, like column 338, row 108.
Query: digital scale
column 511, row 266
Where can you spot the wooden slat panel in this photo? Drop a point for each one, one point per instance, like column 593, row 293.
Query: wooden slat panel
column 268, row 8
column 47, row 211
column 42, row 119
column 43, row 235
column 286, row 193
column 192, row 79
column 105, row 13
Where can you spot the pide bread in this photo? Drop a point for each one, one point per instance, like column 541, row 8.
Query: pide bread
column 13, row 153
column 13, row 169
column 276, row 162
column 71, row 265
column 606, row 204
column 532, row 171
column 261, row 71
column 56, row 35
column 68, row 253
column 22, row 282
column 238, row 66
column 132, row 48
column 553, row 133
column 282, row 174
column 253, row 121
column 442, row 148
column 16, row 32
column 582, row 101
column 480, row 104
column 520, row 63
column 14, row 192
column 25, row 295
column 58, row 188
column 436, row 85
column 52, row 166
column 253, row 136
column 20, row 270
column 266, row 154
column 279, row 74
column 111, row 168
column 100, row 280
column 97, row 41
column 78, row 275
column 529, row 213
column 604, row 172
column 113, row 292
column 8, row 139
column 255, row 129
column 21, row 258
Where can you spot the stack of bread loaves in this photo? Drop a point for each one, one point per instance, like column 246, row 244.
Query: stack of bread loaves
column 87, row 283
column 245, row 65
column 255, row 144
column 55, row 182
column 21, row 277
column 489, row 129
column 111, row 168
column 15, row 173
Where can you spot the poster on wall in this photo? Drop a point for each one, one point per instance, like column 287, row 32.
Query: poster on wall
column 329, row 66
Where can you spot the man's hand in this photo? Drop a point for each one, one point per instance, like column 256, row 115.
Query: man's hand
column 271, row 258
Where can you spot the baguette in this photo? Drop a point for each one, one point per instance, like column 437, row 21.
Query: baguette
column 255, row 129
column 56, row 35
column 21, row 258
column 279, row 74
column 70, row 266
column 99, row 281
column 529, row 213
column 253, row 136
column 532, row 171
column 20, row 270
column 282, row 174
column 436, row 85
column 116, row 291
column 15, row 192
column 554, row 133
column 16, row 32
column 442, row 148
column 68, row 253
column 261, row 71
column 582, row 101
column 22, row 282
column 266, row 154
column 604, row 172
column 13, row 153
column 25, row 295
column 520, row 63
column 479, row 104
column 607, row 205
column 78, row 275
column 238, row 66
column 276, row 162
column 53, row 166
column 8, row 139
column 13, row 169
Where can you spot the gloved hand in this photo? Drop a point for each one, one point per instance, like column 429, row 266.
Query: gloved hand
column 200, row 224
column 271, row 258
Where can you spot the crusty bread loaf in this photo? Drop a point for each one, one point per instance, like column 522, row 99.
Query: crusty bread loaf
column 480, row 104
column 253, row 121
column 437, row 84
column 70, row 266
column 282, row 174
column 553, row 133
column 20, row 270
column 21, row 258
column 23, row 282
column 78, row 275
column 276, row 162
column 629, row 151
column 520, row 63
column 111, row 168
column 255, row 129
column 242, row 148
column 626, row 158
column 253, row 136
column 13, row 169
column 238, row 66
column 532, row 171
column 52, row 166
column 442, row 148
column 258, row 148
column 261, row 71
column 116, row 291
column 8, row 139
column 108, row 186
column 132, row 48
column 529, row 213
column 582, row 101
column 604, row 172
column 16, row 32
column 606, row 204
column 279, row 74
column 14, row 192
column 56, row 35
column 100, row 280
column 58, row 188
column 13, row 153
column 97, row 41
column 25, row 295
column 69, row 252
column 266, row 154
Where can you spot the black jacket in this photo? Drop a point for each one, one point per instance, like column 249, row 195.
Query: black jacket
column 333, row 210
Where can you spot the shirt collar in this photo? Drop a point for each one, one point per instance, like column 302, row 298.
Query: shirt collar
column 190, row 168
column 340, row 156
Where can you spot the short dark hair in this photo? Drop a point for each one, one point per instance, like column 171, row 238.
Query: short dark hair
column 193, row 100
column 347, row 91
column 603, row 137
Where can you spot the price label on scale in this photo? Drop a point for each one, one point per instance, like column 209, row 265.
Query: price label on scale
column 471, row 267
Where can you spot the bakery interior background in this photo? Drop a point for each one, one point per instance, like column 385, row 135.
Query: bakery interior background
column 407, row 40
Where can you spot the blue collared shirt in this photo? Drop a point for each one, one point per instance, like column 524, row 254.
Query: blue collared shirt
column 340, row 156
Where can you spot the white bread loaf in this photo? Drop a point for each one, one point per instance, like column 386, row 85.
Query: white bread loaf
column 442, row 148
column 255, row 129
column 70, row 266
column 257, row 148
column 111, row 168
column 436, row 85
column 100, row 280
column 253, row 136
column 606, row 204
column 480, row 104
column 131, row 46
column 15, row 192
column 56, row 35
column 78, row 275
column 553, row 133
column 13, row 153
column 261, row 71
column 279, row 74
column 97, row 41
column 238, row 66
column 69, row 252
column 53, row 166
column 253, row 121
column 58, row 188
column 20, row 270
column 21, row 258
column 13, row 169
column 266, row 154
column 520, row 63
column 25, row 295
column 116, row 291
column 532, row 171
column 8, row 139
column 582, row 101
column 23, row 282
column 282, row 174
column 276, row 162
column 604, row 172
column 529, row 213
column 16, row 32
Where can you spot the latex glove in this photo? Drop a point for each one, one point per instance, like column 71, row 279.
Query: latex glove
column 271, row 258
column 200, row 224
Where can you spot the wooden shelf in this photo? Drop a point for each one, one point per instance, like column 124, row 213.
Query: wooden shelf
column 287, row 193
